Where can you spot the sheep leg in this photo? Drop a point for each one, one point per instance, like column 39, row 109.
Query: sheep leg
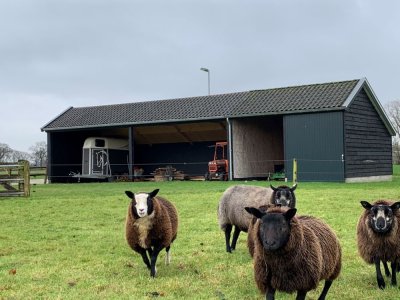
column 327, row 285
column 235, row 237
column 153, row 259
column 228, row 230
column 394, row 279
column 167, row 256
column 270, row 294
column 379, row 277
column 144, row 257
column 385, row 265
column 301, row 295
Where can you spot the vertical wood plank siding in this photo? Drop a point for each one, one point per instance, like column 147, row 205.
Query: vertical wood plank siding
column 368, row 150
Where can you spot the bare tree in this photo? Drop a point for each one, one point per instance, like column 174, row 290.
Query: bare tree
column 17, row 155
column 5, row 152
column 39, row 154
column 393, row 111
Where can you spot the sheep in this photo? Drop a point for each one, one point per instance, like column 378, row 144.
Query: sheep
column 251, row 234
column 378, row 237
column 151, row 225
column 293, row 253
column 233, row 201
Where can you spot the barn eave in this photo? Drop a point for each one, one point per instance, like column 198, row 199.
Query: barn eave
column 129, row 124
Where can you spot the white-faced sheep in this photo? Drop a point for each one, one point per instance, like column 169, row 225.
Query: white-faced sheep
column 233, row 201
column 151, row 225
column 293, row 253
column 378, row 237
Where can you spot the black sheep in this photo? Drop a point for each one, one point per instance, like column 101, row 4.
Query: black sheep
column 293, row 253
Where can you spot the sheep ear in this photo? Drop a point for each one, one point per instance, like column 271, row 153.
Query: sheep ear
column 130, row 194
column 255, row 212
column 395, row 206
column 290, row 214
column 293, row 187
column 154, row 193
column 366, row 205
column 273, row 188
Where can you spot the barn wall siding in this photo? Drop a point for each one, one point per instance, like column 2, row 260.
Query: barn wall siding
column 368, row 144
column 257, row 145
column 316, row 141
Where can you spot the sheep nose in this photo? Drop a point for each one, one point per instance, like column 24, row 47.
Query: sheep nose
column 271, row 243
column 380, row 223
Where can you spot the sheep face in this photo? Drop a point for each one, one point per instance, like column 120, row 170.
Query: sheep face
column 142, row 203
column 283, row 195
column 274, row 231
column 380, row 216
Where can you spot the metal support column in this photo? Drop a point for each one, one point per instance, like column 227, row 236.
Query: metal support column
column 131, row 141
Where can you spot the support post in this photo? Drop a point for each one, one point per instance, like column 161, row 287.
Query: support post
column 23, row 171
column 131, row 141
column 294, row 171
column 230, row 154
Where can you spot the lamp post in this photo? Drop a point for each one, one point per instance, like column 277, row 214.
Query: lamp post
column 208, row 72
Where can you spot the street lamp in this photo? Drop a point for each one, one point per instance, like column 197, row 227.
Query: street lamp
column 208, row 72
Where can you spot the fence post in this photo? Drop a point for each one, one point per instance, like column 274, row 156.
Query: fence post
column 24, row 169
column 294, row 171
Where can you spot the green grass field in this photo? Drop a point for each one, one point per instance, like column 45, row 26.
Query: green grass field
column 67, row 242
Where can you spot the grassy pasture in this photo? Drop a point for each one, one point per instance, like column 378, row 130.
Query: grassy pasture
column 67, row 242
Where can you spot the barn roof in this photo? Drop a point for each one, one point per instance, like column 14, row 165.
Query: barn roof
column 295, row 99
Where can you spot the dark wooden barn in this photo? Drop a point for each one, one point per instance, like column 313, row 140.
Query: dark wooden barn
column 337, row 131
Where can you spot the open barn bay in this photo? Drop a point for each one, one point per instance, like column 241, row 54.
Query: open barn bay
column 67, row 242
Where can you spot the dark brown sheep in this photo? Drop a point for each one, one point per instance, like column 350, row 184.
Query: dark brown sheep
column 378, row 236
column 293, row 253
column 151, row 225
column 231, row 206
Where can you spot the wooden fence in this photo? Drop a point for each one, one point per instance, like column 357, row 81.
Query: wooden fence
column 38, row 172
column 15, row 179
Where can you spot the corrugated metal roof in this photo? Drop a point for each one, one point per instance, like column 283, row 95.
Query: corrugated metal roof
column 313, row 97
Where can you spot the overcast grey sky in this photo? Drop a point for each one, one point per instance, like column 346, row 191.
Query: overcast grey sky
column 60, row 53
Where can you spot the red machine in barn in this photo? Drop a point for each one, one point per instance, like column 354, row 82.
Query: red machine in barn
column 218, row 167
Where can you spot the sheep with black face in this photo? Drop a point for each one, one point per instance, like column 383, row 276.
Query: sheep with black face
column 293, row 253
column 231, row 206
column 378, row 237
column 251, row 234
column 151, row 225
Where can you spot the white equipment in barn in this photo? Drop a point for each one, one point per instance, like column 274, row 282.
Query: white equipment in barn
column 104, row 157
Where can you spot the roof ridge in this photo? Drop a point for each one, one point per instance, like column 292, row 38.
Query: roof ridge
column 305, row 85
